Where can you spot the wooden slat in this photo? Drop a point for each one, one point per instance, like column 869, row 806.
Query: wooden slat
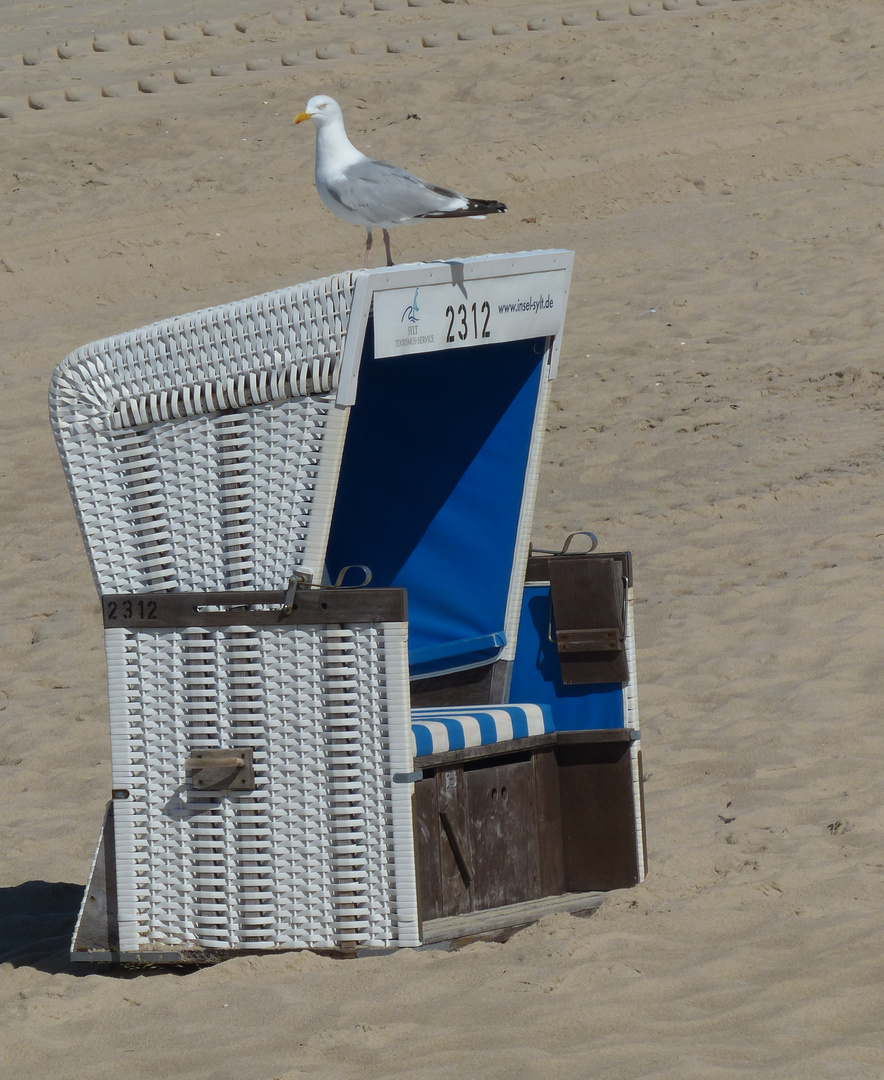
column 475, row 753
column 503, row 833
column 427, row 838
column 458, row 930
column 598, row 817
column 518, row 746
column 476, row 686
column 537, row 571
column 311, row 607
column 455, row 852
column 600, row 735
column 549, row 823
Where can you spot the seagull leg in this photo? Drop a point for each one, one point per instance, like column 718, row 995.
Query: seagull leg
column 387, row 246
column 368, row 249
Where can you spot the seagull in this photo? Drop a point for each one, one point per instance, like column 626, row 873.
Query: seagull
column 376, row 194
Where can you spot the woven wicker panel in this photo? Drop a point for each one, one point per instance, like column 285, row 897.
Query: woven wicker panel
column 278, row 345
column 202, row 452
column 320, row 854
column 229, row 501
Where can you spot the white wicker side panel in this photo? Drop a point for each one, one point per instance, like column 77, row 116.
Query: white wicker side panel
column 320, row 854
column 202, row 452
column 631, row 721
column 228, row 501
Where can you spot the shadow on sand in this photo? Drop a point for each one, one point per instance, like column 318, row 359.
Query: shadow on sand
column 37, row 919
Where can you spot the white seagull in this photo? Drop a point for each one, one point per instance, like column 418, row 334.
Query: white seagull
column 375, row 194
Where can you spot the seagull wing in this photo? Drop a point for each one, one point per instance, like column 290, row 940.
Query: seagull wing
column 382, row 194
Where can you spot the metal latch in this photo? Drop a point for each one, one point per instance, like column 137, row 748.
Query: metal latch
column 408, row 777
column 220, row 769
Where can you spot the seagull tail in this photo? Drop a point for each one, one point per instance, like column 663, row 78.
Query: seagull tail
column 473, row 208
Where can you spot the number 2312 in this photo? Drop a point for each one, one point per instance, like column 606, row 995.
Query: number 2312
column 468, row 322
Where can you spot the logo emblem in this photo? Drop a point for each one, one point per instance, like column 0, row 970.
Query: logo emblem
column 412, row 313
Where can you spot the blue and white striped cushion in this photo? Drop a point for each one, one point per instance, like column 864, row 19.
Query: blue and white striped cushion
column 436, row 730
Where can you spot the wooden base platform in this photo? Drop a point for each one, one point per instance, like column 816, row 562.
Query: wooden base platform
column 505, row 835
column 96, row 940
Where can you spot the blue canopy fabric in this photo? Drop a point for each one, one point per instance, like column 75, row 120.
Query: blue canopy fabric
column 431, row 488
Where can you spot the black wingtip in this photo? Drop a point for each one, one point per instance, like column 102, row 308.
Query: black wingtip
column 474, row 208
column 486, row 206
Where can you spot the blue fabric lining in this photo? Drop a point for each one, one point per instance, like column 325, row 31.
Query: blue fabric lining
column 536, row 674
column 463, row 653
column 431, row 487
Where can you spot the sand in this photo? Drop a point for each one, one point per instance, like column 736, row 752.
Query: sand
column 718, row 168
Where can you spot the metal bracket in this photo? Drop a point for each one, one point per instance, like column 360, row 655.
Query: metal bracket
column 299, row 580
column 408, row 777
column 222, row 769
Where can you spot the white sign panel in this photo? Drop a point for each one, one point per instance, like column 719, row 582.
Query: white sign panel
column 484, row 311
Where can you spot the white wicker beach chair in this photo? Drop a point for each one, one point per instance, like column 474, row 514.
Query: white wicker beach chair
column 270, row 789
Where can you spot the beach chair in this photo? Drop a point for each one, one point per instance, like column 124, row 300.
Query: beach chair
column 236, row 472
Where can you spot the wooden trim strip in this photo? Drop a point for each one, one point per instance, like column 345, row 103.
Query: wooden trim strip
column 157, row 611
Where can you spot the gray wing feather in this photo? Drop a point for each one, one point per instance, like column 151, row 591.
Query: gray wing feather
column 385, row 194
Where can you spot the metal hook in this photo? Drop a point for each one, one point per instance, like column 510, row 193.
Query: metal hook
column 301, row 580
column 593, row 544
column 339, row 580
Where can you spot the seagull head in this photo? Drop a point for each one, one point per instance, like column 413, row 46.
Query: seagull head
column 321, row 110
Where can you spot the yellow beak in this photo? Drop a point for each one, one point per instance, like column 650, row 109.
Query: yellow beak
column 302, row 116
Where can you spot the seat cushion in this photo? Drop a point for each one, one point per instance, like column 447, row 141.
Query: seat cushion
column 437, row 730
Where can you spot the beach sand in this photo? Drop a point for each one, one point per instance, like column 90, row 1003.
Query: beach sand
column 718, row 168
